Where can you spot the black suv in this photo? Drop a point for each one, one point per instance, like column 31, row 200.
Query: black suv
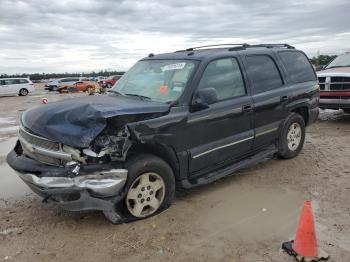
column 180, row 119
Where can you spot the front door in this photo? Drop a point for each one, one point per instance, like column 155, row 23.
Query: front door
column 223, row 132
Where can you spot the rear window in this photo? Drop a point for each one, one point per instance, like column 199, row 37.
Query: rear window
column 298, row 66
column 263, row 73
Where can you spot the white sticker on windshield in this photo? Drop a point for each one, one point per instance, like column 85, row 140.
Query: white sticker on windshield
column 173, row 66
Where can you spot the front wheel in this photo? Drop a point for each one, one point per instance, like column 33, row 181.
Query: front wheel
column 150, row 186
column 292, row 136
column 23, row 92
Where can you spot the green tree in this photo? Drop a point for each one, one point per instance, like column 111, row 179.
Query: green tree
column 322, row 59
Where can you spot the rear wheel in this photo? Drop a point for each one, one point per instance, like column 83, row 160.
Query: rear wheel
column 292, row 136
column 150, row 186
column 23, row 92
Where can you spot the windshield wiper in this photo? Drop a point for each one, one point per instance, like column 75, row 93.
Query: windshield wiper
column 139, row 96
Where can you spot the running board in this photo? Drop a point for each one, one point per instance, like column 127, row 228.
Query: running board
column 229, row 170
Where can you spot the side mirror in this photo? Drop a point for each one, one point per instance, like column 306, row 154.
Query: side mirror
column 204, row 97
column 319, row 67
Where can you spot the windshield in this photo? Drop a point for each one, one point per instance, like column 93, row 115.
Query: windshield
column 157, row 80
column 340, row 61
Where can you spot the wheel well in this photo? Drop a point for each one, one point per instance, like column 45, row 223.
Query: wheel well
column 304, row 112
column 163, row 152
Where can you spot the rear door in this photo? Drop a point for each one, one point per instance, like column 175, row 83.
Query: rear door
column 269, row 96
column 222, row 133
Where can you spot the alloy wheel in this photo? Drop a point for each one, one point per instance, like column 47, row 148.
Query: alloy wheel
column 294, row 136
column 145, row 195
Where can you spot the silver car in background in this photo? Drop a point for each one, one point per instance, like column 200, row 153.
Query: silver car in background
column 15, row 86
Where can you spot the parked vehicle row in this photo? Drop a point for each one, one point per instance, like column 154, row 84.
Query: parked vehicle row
column 179, row 119
column 61, row 84
column 15, row 86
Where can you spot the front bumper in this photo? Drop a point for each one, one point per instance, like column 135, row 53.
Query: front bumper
column 334, row 103
column 94, row 187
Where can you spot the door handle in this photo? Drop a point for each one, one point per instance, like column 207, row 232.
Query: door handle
column 284, row 98
column 247, row 108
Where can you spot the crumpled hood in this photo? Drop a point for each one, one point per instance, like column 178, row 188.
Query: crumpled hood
column 76, row 122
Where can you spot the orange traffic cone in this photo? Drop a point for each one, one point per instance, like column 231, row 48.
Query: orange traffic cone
column 304, row 247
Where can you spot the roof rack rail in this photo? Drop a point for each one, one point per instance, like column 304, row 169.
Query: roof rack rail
column 205, row 46
column 239, row 46
column 273, row 45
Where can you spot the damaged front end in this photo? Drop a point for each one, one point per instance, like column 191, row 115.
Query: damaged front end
column 74, row 186
column 78, row 172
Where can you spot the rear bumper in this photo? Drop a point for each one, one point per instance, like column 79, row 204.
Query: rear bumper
column 95, row 187
column 334, row 103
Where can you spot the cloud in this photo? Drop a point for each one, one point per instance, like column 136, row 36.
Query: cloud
column 77, row 36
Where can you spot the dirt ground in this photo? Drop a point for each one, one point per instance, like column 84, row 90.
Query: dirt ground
column 245, row 217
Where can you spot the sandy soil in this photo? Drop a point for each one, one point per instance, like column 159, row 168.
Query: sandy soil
column 245, row 217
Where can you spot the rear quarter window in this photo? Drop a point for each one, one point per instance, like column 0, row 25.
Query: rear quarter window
column 298, row 66
column 263, row 73
column 23, row 81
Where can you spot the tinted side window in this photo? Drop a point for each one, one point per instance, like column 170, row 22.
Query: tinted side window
column 23, row 81
column 11, row 81
column 297, row 66
column 263, row 73
column 225, row 76
column 2, row 82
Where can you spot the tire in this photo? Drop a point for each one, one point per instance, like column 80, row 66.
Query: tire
column 109, row 85
column 346, row 110
column 139, row 193
column 23, row 92
column 292, row 136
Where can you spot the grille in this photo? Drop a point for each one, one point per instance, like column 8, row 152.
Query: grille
column 322, row 81
column 42, row 158
column 41, row 142
column 340, row 83
column 337, row 83
column 38, row 141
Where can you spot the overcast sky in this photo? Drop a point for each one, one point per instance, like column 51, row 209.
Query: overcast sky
column 81, row 36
